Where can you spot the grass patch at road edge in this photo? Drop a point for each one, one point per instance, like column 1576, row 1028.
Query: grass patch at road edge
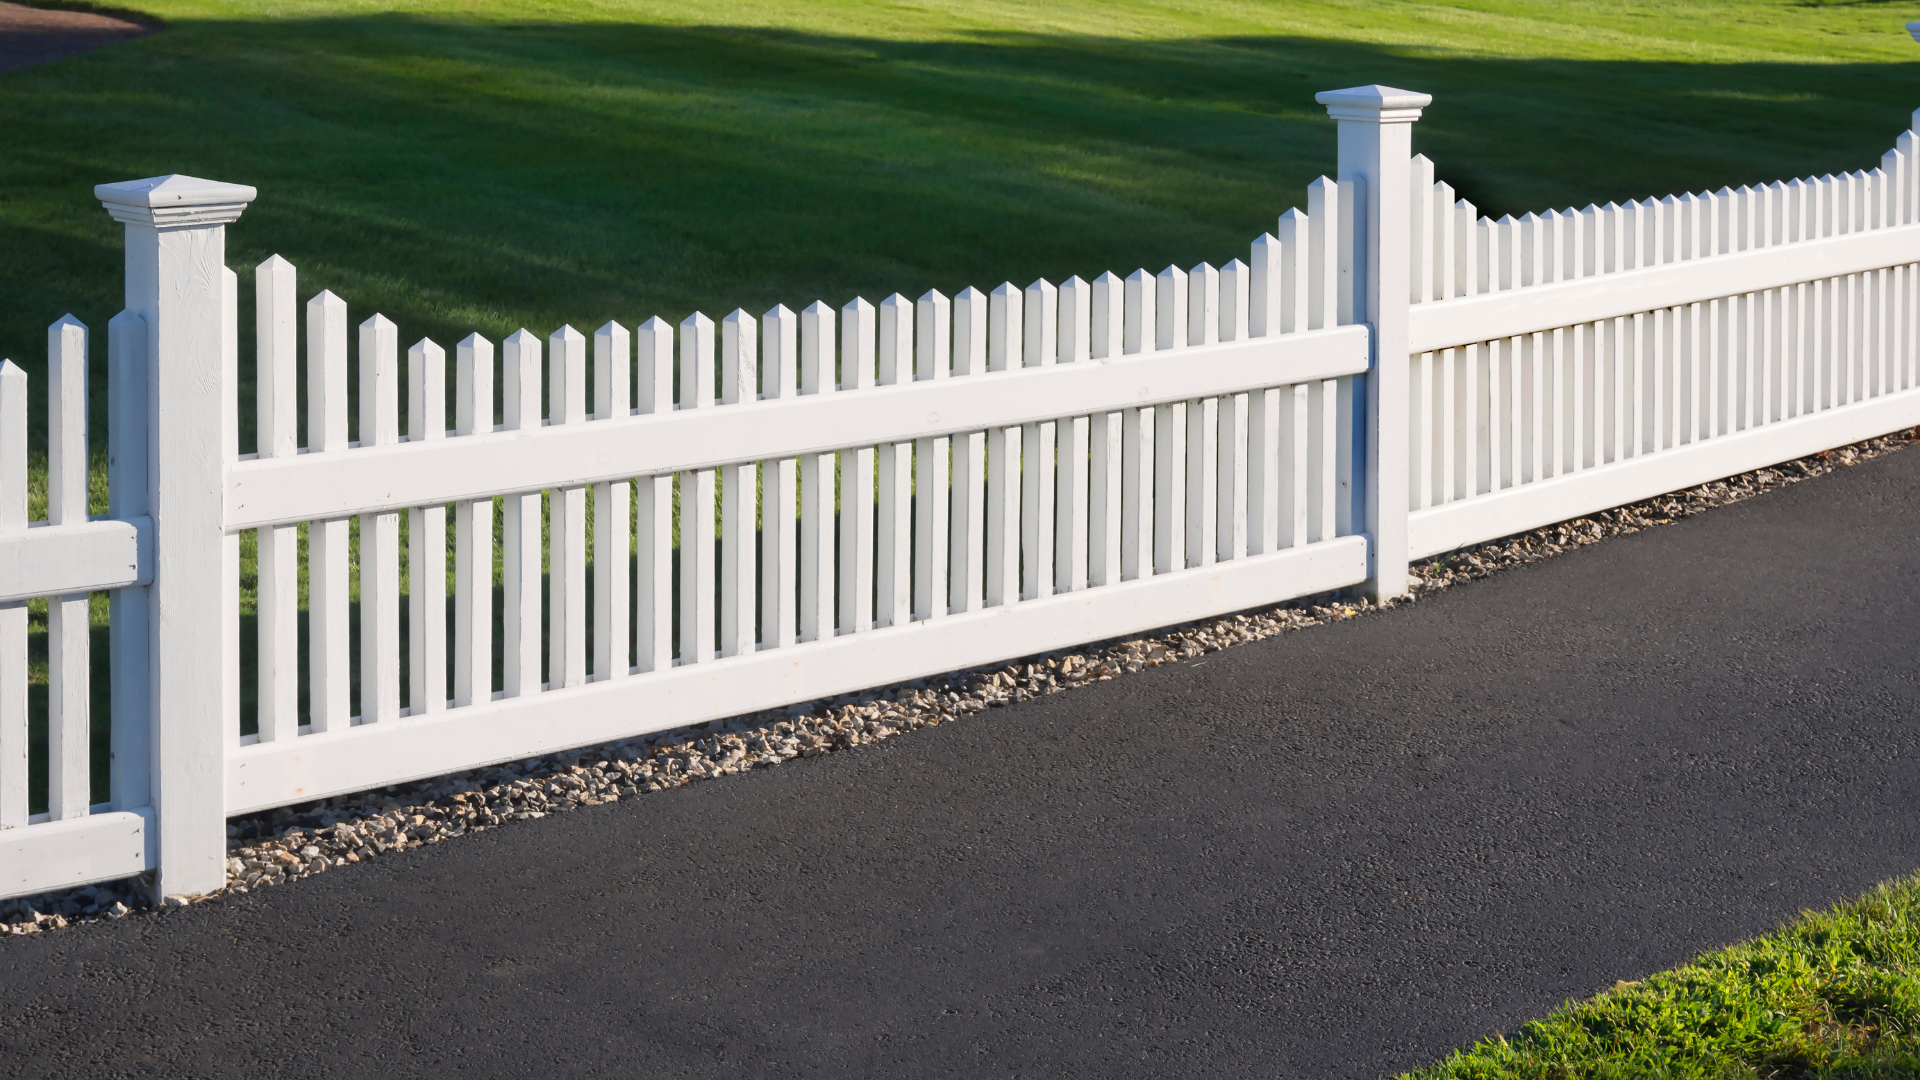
column 1834, row 993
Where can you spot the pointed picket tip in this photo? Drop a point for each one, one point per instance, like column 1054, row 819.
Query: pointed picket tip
column 273, row 264
column 655, row 325
column 970, row 295
column 1374, row 104
column 857, row 304
column 568, row 334
column 523, row 337
column 612, row 327
column 1235, row 266
column 67, row 320
column 12, row 372
column 376, row 321
column 932, row 296
column 1107, row 278
column 778, row 312
column 474, row 341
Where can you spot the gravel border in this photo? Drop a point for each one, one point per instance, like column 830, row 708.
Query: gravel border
column 283, row 845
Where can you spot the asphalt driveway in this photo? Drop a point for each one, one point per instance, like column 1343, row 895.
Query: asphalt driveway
column 1337, row 853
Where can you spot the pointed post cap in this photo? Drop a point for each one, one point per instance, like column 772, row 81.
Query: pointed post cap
column 1374, row 104
column 174, row 202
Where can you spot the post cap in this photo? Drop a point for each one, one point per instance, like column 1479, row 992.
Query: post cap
column 173, row 202
column 1374, row 104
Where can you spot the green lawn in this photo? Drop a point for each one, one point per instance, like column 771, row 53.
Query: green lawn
column 1835, row 994
column 465, row 166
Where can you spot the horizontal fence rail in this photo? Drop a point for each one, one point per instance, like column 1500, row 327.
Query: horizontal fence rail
column 480, row 552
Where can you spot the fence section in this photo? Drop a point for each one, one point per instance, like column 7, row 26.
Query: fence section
column 822, row 501
column 707, row 519
column 59, row 561
column 1567, row 362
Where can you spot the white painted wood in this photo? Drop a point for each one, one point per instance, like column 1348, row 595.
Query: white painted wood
column 270, row 774
column 1439, row 325
column 1323, row 253
column 967, row 581
column 379, row 533
column 780, row 479
column 1039, row 446
column 739, row 570
column 520, row 531
column 1170, row 431
column 473, row 533
column 1203, row 422
column 1104, row 435
column 653, row 507
column 1421, row 232
column 177, row 282
column 893, row 550
column 1136, row 439
column 612, row 513
column 228, row 598
column 1071, row 497
column 129, row 612
column 277, row 592
column 1296, row 458
column 370, row 478
column 1235, row 440
column 79, row 850
column 697, row 524
column 933, row 316
column 1006, row 306
column 329, row 685
column 67, row 422
column 857, row 366
column 13, row 613
column 1445, row 528
column 817, row 482
column 68, row 655
column 426, row 539
column 567, row 519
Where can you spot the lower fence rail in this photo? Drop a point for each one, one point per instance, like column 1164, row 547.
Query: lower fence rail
column 76, row 851
column 270, row 774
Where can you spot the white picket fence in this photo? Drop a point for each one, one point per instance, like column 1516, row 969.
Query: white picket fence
column 781, row 508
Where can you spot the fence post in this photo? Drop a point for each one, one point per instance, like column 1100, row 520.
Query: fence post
column 1376, row 149
column 177, row 285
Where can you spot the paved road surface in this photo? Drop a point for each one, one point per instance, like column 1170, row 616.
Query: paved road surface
column 1333, row 854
